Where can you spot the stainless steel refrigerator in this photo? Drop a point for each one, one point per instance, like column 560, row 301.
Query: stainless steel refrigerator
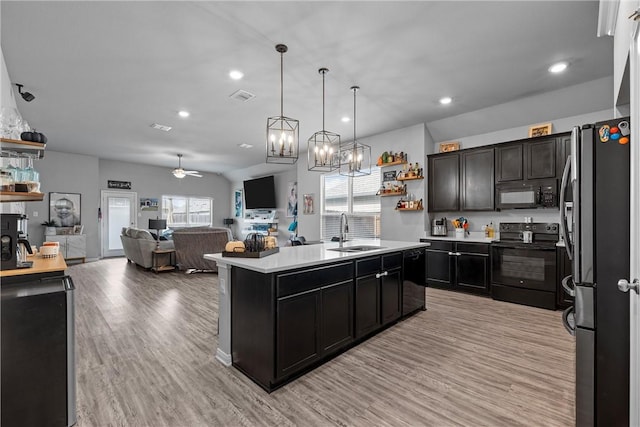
column 597, row 176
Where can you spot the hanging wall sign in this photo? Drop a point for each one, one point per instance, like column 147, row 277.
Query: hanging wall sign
column 389, row 176
column 122, row 185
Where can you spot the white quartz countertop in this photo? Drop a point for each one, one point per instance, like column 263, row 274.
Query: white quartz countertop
column 473, row 237
column 292, row 257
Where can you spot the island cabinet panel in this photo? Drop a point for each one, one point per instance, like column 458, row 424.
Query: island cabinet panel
column 337, row 316
column 298, row 331
column 378, row 292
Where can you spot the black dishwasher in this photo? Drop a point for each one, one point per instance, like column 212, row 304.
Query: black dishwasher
column 38, row 366
column 413, row 285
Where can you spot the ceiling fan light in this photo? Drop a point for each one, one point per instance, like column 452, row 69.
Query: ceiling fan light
column 179, row 173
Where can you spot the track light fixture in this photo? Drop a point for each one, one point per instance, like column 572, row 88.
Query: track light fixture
column 27, row 96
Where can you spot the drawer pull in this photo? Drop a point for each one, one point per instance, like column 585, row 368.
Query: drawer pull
column 379, row 275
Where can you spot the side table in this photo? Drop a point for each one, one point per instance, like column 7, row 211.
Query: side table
column 163, row 260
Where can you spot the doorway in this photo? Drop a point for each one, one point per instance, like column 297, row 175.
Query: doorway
column 118, row 210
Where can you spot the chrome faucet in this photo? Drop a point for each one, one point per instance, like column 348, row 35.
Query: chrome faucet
column 344, row 229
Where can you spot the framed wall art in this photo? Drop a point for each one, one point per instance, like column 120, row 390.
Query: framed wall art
column 540, row 130
column 237, row 203
column 308, row 204
column 445, row 147
column 64, row 209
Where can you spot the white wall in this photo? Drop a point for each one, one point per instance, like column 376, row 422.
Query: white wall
column 7, row 95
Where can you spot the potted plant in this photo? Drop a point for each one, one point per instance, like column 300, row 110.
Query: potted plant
column 50, row 227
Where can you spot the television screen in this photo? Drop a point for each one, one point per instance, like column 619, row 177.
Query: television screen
column 260, row 193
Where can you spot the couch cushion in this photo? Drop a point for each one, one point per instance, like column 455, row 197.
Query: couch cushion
column 144, row 234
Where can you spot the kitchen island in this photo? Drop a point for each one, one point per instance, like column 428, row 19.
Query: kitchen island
column 284, row 314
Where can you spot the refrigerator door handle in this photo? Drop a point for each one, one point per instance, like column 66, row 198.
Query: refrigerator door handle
column 563, row 214
column 569, row 290
column 575, row 183
column 566, row 322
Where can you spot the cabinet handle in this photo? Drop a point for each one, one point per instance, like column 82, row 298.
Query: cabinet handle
column 458, row 254
column 379, row 275
column 451, row 253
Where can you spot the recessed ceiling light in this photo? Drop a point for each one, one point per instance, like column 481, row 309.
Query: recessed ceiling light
column 246, row 146
column 236, row 75
column 183, row 114
column 346, row 119
column 558, row 67
column 446, row 100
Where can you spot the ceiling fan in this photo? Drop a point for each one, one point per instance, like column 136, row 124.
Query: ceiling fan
column 179, row 172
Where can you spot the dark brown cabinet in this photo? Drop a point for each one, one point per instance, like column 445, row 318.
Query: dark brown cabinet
column 444, row 183
column 378, row 292
column 563, row 264
column 477, row 185
column 563, row 153
column 462, row 181
column 298, row 331
column 540, row 158
column 459, row 266
column 509, row 162
column 336, row 316
column 530, row 159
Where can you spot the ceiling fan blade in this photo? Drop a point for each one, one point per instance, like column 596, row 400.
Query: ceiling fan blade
column 191, row 172
column 194, row 174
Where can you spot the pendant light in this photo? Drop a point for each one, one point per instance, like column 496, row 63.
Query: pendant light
column 282, row 132
column 355, row 158
column 323, row 147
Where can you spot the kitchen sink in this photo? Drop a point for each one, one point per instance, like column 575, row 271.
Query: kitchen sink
column 361, row 248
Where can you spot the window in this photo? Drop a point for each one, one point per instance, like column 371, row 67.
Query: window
column 355, row 196
column 183, row 211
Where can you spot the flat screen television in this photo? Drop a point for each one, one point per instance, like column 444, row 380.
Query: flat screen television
column 260, row 193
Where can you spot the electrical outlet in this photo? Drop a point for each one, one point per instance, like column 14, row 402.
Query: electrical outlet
column 35, row 214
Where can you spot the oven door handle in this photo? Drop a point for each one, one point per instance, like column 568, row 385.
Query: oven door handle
column 563, row 214
column 566, row 323
column 570, row 290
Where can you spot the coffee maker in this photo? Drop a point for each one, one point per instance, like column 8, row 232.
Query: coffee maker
column 13, row 241
column 439, row 227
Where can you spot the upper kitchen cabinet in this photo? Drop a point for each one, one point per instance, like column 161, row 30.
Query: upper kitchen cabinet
column 477, row 186
column 462, row 180
column 444, row 183
column 534, row 158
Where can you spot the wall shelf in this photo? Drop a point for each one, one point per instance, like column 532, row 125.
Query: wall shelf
column 410, row 178
column 384, row 165
column 22, row 147
column 410, row 209
column 402, row 193
column 14, row 196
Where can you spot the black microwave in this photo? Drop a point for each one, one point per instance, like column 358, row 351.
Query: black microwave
column 527, row 194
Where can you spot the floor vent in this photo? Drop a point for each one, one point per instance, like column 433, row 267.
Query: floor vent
column 242, row 95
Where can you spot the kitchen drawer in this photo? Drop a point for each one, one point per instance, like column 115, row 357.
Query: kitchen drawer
column 473, row 248
column 440, row 245
column 367, row 266
column 392, row 261
column 304, row 280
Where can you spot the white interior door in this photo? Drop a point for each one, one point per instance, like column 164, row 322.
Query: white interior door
column 118, row 210
column 634, row 398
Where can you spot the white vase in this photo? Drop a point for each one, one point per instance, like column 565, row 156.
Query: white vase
column 50, row 231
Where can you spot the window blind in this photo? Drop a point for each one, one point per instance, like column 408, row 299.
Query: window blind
column 184, row 211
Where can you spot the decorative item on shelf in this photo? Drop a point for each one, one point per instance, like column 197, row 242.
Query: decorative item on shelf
column 355, row 158
column 282, row 132
column 446, row 147
column 157, row 224
column 323, row 146
column 50, row 227
column 33, row 136
column 540, row 130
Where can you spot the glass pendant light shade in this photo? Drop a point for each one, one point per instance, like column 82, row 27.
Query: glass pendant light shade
column 355, row 158
column 323, row 147
column 282, row 132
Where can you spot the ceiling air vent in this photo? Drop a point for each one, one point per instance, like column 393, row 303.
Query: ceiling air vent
column 161, row 127
column 242, row 95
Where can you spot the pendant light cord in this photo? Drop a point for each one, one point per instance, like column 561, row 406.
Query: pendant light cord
column 355, row 89
column 281, row 84
column 323, row 73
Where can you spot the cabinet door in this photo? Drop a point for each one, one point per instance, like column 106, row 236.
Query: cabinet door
column 477, row 190
column 367, row 304
column 563, row 152
column 390, row 298
column 444, row 183
column 337, row 316
column 76, row 246
column 472, row 272
column 540, row 158
column 298, row 331
column 509, row 163
column 438, row 268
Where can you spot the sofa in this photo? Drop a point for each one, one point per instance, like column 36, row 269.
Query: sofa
column 192, row 243
column 139, row 244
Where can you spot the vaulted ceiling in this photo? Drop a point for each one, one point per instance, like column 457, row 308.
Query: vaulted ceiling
column 103, row 72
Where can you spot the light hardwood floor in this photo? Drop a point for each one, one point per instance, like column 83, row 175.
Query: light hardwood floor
column 146, row 344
